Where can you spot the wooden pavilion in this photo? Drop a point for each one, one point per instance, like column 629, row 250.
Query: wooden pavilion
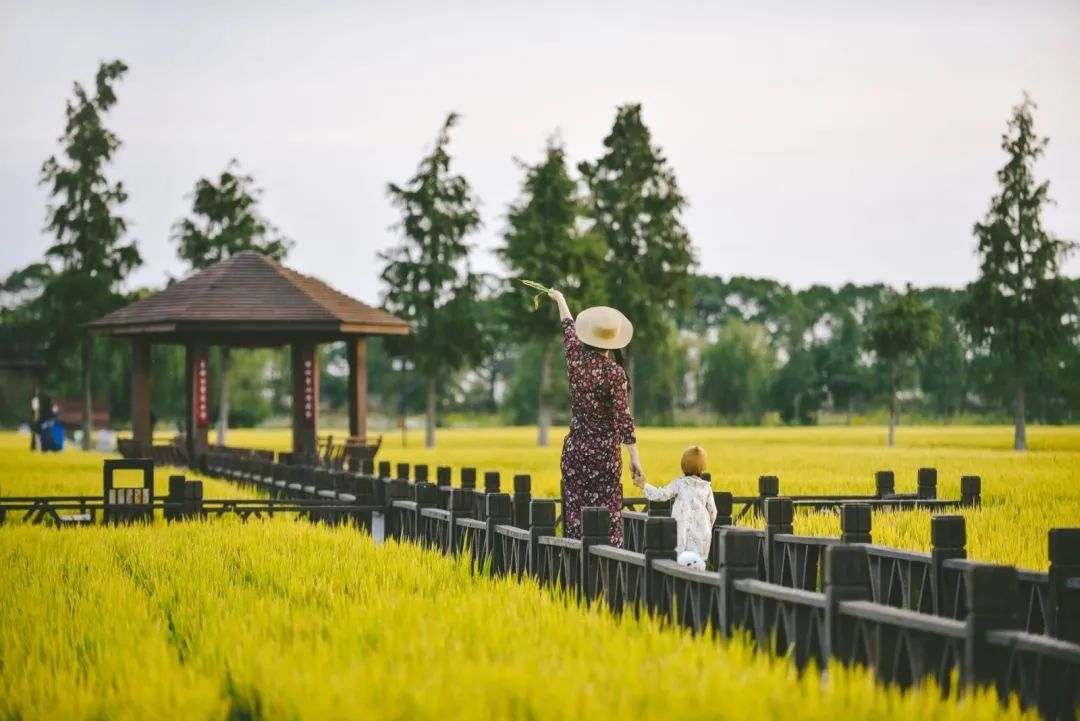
column 248, row 301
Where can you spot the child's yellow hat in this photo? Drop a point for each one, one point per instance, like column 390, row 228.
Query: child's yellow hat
column 694, row 461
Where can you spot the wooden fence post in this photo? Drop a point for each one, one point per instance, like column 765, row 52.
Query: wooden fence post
column 768, row 487
column 948, row 536
column 403, row 472
column 737, row 554
column 846, row 578
column 499, row 511
column 427, row 496
column 541, row 523
column 1064, row 615
column 855, row 519
column 661, row 535
column 970, row 491
column 595, row 531
column 522, row 499
column 176, row 495
column 927, row 483
column 992, row 594
column 384, row 469
column 779, row 515
column 723, row 502
column 458, row 504
column 468, row 484
column 884, row 484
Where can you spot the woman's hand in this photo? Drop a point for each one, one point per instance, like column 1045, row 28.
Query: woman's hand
column 639, row 480
column 564, row 310
column 637, row 472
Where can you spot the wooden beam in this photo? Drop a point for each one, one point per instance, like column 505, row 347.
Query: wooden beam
column 305, row 397
column 197, row 385
column 356, row 351
column 140, row 395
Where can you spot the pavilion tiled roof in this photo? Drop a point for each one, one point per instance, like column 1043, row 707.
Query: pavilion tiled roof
column 249, row 293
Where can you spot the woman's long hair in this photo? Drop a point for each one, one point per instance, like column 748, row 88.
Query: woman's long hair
column 620, row 358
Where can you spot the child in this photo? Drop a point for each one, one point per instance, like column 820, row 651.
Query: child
column 694, row 510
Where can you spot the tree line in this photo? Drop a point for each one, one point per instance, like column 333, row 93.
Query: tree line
column 706, row 349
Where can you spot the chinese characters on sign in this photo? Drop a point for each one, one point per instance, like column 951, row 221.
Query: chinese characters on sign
column 202, row 393
column 308, row 390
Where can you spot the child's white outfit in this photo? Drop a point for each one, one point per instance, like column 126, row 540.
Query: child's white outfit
column 694, row 511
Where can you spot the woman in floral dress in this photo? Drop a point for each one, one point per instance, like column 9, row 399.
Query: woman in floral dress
column 600, row 418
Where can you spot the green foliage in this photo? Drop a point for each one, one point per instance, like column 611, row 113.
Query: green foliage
column 429, row 281
column 543, row 243
column 225, row 220
column 1020, row 309
column 82, row 215
column 739, row 369
column 902, row 329
column 636, row 208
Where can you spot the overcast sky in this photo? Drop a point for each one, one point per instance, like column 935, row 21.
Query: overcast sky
column 816, row 142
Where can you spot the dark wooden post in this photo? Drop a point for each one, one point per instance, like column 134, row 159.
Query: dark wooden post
column 595, row 531
column 855, row 522
column 384, row 469
column 427, row 496
column 140, row 395
column 737, row 554
column 468, row 484
column 927, row 483
column 420, row 473
column 948, row 536
column 522, row 499
column 176, row 495
column 397, row 490
column 768, row 487
column 356, row 353
column 402, row 472
column 970, row 491
column 197, row 421
column 305, row 398
column 993, row 594
column 661, row 535
column 491, row 485
column 498, row 512
column 779, row 516
column 723, row 502
column 846, row 578
column 541, row 523
column 1064, row 615
column 884, row 484
column 458, row 503
column 442, row 476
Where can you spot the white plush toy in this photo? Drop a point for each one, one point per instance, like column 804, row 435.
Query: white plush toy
column 692, row 560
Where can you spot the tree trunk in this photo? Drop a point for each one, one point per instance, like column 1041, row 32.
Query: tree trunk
column 88, row 399
column 429, row 425
column 1020, row 432
column 850, row 411
column 223, row 398
column 543, row 419
column 892, row 409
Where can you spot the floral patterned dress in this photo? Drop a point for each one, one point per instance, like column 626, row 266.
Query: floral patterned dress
column 600, row 422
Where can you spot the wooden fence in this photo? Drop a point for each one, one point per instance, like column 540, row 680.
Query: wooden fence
column 907, row 616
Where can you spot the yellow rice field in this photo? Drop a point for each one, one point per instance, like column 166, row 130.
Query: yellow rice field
column 1024, row 494
column 284, row 620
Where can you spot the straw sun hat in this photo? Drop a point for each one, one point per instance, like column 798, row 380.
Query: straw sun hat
column 603, row 327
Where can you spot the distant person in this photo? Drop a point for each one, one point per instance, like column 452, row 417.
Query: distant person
column 694, row 509
column 600, row 419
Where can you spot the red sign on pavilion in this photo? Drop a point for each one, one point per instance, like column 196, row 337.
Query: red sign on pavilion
column 202, row 393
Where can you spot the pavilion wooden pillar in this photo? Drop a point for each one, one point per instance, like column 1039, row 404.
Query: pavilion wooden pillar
column 140, row 395
column 305, row 397
column 197, row 384
column 356, row 351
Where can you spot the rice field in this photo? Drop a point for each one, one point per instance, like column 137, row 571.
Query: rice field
column 1024, row 494
column 283, row 620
